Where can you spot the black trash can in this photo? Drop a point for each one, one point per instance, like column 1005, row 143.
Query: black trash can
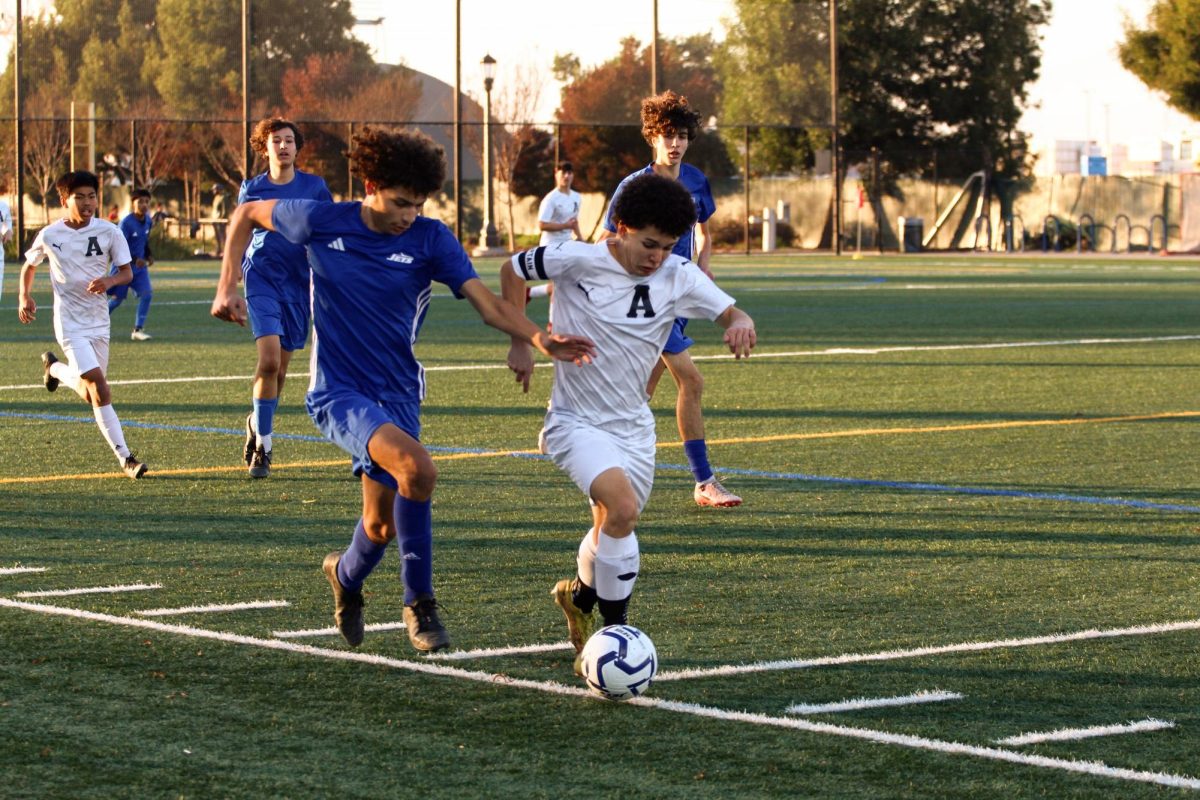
column 912, row 231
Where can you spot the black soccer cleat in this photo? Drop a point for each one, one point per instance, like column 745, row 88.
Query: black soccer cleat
column 260, row 463
column 133, row 468
column 425, row 630
column 347, row 605
column 251, row 440
column 50, row 382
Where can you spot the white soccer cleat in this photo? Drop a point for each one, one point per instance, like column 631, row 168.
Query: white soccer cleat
column 715, row 495
column 140, row 336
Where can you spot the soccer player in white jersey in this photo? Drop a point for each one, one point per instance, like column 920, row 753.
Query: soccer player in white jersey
column 373, row 263
column 624, row 293
column 81, row 249
column 558, row 215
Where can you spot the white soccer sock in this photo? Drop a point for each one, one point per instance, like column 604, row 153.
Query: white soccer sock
column 263, row 441
column 585, row 562
column 617, row 562
column 110, row 426
column 65, row 374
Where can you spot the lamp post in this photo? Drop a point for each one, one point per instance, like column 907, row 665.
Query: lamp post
column 489, row 241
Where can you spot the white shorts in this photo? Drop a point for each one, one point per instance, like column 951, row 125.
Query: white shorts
column 584, row 451
column 86, row 352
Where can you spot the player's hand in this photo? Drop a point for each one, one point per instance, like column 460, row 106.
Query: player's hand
column 230, row 306
column 26, row 310
column 98, row 285
column 520, row 361
column 741, row 340
column 141, row 262
column 565, row 347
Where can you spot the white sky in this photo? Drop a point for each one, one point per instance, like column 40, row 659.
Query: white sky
column 1083, row 92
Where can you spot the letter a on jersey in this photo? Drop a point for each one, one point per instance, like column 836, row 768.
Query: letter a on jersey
column 641, row 301
column 93, row 247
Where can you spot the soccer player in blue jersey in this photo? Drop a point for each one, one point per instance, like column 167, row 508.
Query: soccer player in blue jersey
column 373, row 264
column 669, row 125
column 136, row 226
column 277, row 282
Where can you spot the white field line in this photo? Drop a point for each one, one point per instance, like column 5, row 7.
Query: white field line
column 916, row 742
column 129, row 587
column 20, row 570
column 332, row 631
column 861, row 703
column 830, row 351
column 1070, row 734
column 919, row 652
column 494, row 652
column 169, row 612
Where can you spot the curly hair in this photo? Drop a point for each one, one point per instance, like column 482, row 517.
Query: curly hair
column 658, row 201
column 70, row 181
column 668, row 112
column 264, row 129
column 402, row 158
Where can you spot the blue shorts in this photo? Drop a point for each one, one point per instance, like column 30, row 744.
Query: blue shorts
column 677, row 342
column 140, row 285
column 349, row 420
column 288, row 321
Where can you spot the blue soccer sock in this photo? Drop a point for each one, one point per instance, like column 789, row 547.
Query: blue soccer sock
column 414, row 535
column 143, row 311
column 264, row 419
column 696, row 451
column 360, row 558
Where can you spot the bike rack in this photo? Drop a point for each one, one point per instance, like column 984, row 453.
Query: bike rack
column 1050, row 219
column 1150, row 234
column 1091, row 232
column 1128, row 232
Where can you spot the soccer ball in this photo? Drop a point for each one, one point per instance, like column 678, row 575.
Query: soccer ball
column 618, row 662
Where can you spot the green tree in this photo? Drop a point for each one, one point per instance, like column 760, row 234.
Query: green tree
column 1165, row 54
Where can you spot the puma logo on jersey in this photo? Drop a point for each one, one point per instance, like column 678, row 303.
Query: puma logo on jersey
column 56, row 246
column 401, row 258
column 586, row 291
column 337, row 244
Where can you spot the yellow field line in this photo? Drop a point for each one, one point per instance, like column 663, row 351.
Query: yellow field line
column 787, row 437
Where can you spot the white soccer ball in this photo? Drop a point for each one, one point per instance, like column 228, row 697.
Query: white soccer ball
column 619, row 662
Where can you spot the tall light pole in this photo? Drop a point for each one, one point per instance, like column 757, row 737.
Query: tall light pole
column 489, row 241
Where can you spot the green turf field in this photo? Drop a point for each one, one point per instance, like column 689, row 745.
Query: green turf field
column 969, row 480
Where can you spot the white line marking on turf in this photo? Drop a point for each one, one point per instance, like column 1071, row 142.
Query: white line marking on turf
column 20, row 570
column 829, row 351
column 493, row 652
column 861, row 703
column 552, row 687
column 1070, row 734
column 890, row 655
column 332, row 631
column 168, row 612
column 129, row 587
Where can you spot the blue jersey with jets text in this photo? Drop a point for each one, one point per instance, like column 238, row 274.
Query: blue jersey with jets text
column 371, row 292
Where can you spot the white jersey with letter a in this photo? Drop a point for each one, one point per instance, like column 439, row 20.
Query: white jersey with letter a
column 628, row 317
column 77, row 257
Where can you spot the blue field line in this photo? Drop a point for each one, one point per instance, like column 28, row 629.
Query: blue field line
column 947, row 489
column 787, row 476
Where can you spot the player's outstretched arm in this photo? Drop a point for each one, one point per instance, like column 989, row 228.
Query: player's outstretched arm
column 520, row 354
column 504, row 316
column 739, row 331
column 26, row 307
column 228, row 304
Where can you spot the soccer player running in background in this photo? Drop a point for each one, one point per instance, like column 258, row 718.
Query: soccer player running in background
column 558, row 214
column 669, row 125
column 373, row 264
column 277, row 283
column 136, row 227
column 623, row 293
column 81, row 249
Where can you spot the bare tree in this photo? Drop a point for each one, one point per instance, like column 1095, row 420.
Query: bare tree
column 47, row 144
column 516, row 102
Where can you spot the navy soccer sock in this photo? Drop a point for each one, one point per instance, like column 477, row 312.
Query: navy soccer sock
column 696, row 451
column 414, row 535
column 360, row 558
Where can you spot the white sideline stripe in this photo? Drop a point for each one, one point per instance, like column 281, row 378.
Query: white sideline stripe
column 19, row 570
column 333, row 631
column 167, row 612
column 1069, row 734
column 890, row 655
column 129, row 587
column 830, row 351
column 553, row 687
column 494, row 652
column 873, row 702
